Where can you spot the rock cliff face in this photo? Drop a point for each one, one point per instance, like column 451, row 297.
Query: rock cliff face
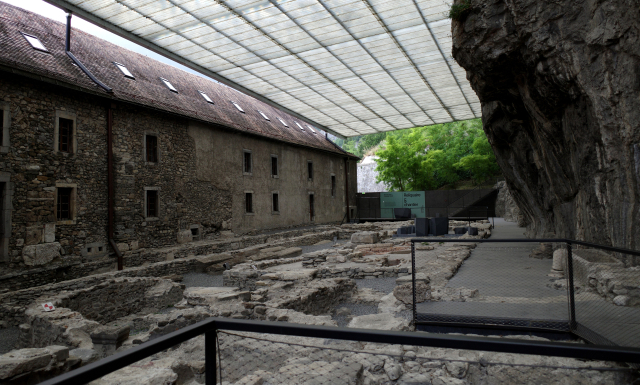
column 367, row 176
column 559, row 82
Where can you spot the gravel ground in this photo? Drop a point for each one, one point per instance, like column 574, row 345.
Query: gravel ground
column 309, row 249
column 356, row 310
column 383, row 285
column 8, row 339
column 202, row 280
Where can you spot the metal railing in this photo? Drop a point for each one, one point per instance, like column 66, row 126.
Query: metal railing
column 212, row 326
column 592, row 312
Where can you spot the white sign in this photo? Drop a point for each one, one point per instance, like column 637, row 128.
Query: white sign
column 48, row 306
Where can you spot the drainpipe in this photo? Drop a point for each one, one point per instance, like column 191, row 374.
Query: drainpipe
column 67, row 48
column 346, row 187
column 110, row 190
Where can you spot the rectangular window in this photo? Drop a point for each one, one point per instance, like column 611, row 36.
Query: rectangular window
column 169, row 85
column 310, row 170
column 35, row 42
column 238, row 106
column 274, row 166
column 125, row 71
column 151, row 146
column 275, row 207
column 333, row 185
column 247, row 162
column 65, row 135
column 152, row 203
column 248, row 201
column 206, row 97
column 63, row 208
column 312, row 213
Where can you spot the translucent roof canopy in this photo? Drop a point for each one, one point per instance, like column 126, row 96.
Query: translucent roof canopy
column 351, row 67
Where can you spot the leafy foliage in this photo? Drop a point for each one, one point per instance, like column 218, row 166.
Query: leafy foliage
column 359, row 145
column 457, row 11
column 426, row 158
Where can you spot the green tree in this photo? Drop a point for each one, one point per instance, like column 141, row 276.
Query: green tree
column 425, row 158
column 403, row 164
column 482, row 163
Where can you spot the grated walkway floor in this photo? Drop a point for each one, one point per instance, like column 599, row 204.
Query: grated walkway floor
column 512, row 285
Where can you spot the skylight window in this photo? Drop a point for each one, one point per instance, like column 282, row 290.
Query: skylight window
column 124, row 70
column 282, row 121
column 238, row 106
column 263, row 115
column 311, row 128
column 169, row 85
column 206, row 97
column 302, row 128
column 35, row 42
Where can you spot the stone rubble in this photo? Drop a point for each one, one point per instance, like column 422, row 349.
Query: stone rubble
column 274, row 283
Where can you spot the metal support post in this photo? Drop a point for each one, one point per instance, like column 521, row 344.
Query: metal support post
column 572, row 303
column 413, row 280
column 210, row 362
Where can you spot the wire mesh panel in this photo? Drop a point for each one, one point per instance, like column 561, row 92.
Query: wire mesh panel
column 607, row 296
column 252, row 358
column 487, row 285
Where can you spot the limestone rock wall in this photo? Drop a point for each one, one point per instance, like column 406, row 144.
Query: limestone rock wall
column 506, row 207
column 367, row 175
column 559, row 84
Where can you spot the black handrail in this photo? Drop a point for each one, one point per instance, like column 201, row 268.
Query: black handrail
column 210, row 326
column 573, row 325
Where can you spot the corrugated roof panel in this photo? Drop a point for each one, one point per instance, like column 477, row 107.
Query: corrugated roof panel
column 374, row 60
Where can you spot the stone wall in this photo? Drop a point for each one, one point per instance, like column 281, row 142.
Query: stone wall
column 184, row 199
column 34, row 169
column 119, row 297
column 559, row 83
column 193, row 195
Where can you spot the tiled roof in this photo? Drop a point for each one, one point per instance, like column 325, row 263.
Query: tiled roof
column 147, row 89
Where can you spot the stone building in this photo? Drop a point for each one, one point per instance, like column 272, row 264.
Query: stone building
column 189, row 156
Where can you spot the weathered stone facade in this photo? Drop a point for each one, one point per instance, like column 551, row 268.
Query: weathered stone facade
column 178, row 161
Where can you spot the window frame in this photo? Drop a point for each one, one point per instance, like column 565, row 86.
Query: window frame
column 169, row 85
column 310, row 170
column 244, row 162
column 5, row 141
column 283, row 122
column 333, row 185
column 277, row 174
column 43, row 49
column 205, row 97
column 248, row 203
column 56, row 132
column 73, row 198
column 144, row 147
column 275, row 209
column 146, row 215
column 125, row 71
column 237, row 106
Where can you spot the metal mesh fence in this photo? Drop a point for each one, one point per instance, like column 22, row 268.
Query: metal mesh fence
column 591, row 293
column 252, row 358
column 491, row 284
column 607, row 296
